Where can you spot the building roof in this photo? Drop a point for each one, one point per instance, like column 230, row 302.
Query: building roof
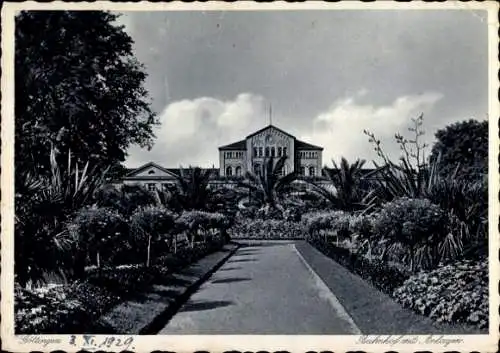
column 301, row 145
column 267, row 127
column 133, row 172
column 240, row 145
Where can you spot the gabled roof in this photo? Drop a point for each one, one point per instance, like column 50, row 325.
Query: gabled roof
column 145, row 166
column 240, row 145
column 301, row 145
column 270, row 126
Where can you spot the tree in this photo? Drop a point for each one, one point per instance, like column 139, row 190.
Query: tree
column 463, row 146
column 78, row 88
column 348, row 195
column 265, row 189
column 191, row 191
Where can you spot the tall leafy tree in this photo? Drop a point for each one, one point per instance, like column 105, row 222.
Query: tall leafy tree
column 78, row 88
column 462, row 147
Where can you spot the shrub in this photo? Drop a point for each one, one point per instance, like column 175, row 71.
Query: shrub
column 267, row 229
column 43, row 206
column 192, row 221
column 361, row 225
column 383, row 275
column 455, row 293
column 333, row 221
column 411, row 223
column 59, row 308
column 102, row 230
column 150, row 224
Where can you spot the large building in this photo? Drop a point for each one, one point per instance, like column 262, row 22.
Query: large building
column 249, row 154
column 237, row 158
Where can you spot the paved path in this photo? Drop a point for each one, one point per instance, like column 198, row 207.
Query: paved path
column 264, row 288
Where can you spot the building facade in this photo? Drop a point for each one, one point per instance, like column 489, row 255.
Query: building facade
column 237, row 158
column 249, row 154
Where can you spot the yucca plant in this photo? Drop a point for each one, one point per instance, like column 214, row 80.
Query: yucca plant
column 43, row 206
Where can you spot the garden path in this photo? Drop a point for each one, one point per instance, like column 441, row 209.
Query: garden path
column 264, row 288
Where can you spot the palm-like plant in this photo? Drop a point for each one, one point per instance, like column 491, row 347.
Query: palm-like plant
column 191, row 190
column 43, row 206
column 347, row 193
column 267, row 189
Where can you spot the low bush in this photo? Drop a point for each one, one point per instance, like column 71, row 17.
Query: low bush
column 267, row 229
column 61, row 308
column 455, row 293
column 412, row 223
column 383, row 275
column 334, row 221
column 73, row 308
column 101, row 232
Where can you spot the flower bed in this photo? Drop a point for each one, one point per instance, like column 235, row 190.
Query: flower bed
column 266, row 229
column 70, row 308
column 455, row 293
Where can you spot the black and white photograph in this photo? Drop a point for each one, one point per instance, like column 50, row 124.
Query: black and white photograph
column 250, row 172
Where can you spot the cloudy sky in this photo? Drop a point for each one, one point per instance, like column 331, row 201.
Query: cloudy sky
column 327, row 74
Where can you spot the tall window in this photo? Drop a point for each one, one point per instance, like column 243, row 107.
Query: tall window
column 257, row 169
column 302, row 171
column 279, row 151
column 229, row 171
column 238, row 171
column 267, row 151
column 273, row 154
column 312, row 171
column 260, row 151
column 284, row 151
column 255, row 151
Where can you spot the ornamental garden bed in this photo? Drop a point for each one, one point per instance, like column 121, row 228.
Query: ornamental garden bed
column 456, row 293
column 74, row 307
column 269, row 229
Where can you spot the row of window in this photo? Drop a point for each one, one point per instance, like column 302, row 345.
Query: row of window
column 237, row 171
column 269, row 152
column 154, row 186
column 308, row 154
column 311, row 170
column 233, row 154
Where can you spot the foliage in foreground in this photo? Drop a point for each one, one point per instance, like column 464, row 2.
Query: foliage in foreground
column 44, row 205
column 455, row 293
column 74, row 307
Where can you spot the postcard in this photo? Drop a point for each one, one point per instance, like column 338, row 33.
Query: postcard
column 301, row 177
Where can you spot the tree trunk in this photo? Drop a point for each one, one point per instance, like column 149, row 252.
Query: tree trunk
column 149, row 251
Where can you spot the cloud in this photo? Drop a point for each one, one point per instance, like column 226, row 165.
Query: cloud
column 192, row 130
column 340, row 128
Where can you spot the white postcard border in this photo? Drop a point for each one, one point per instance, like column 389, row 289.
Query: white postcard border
column 218, row 343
